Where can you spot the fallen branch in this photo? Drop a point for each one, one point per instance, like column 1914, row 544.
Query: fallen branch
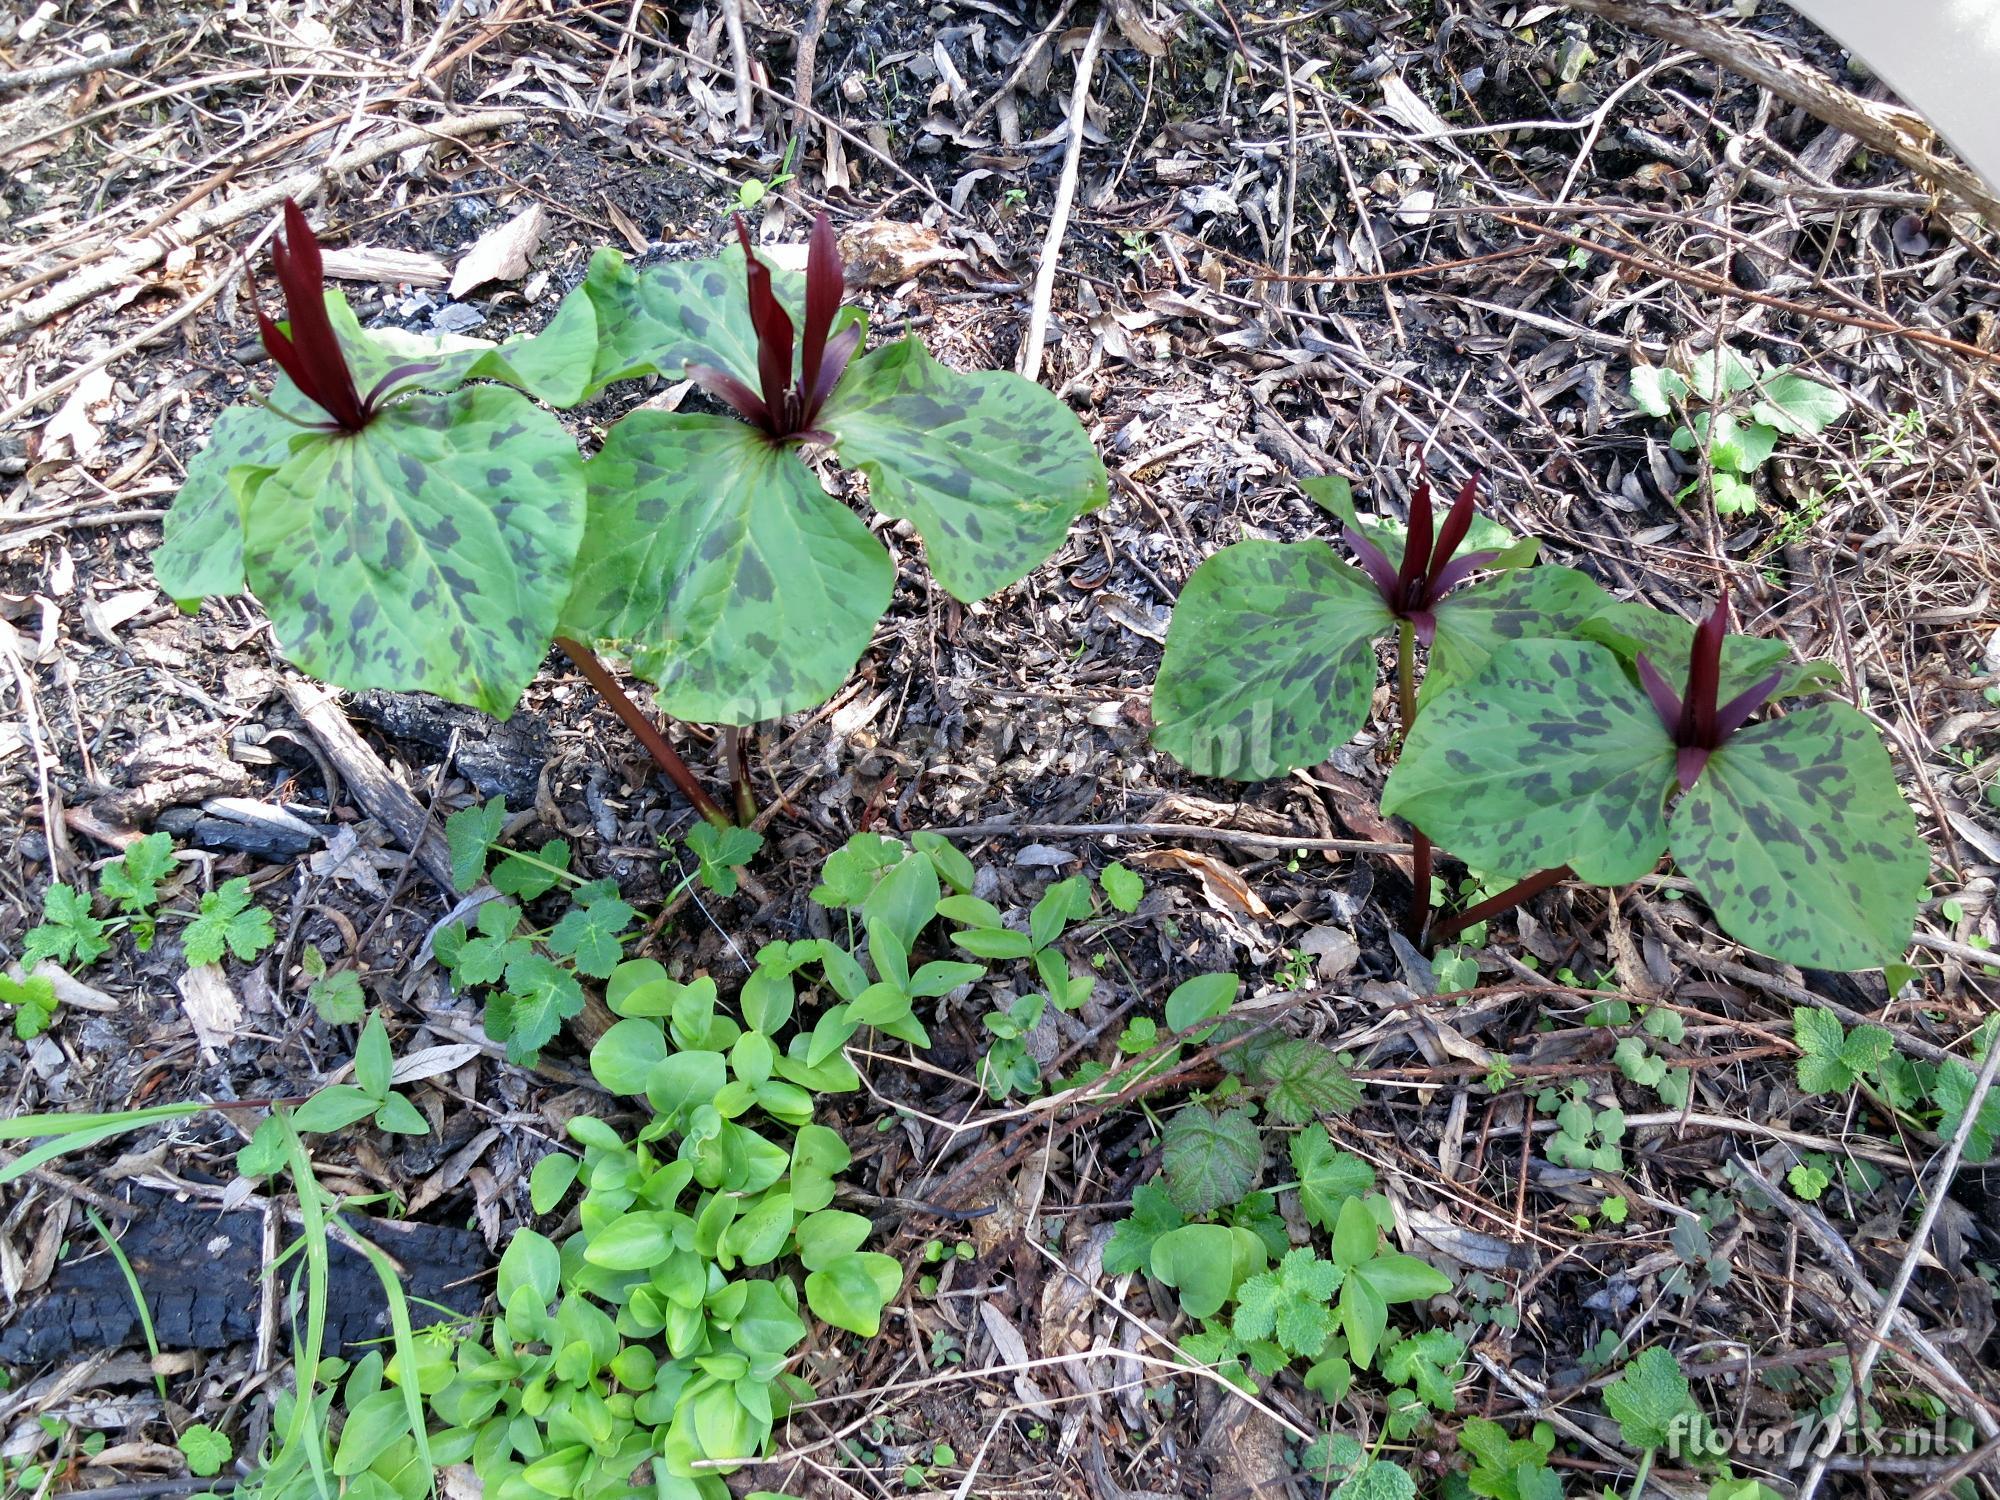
column 1045, row 275
column 125, row 265
column 1880, row 127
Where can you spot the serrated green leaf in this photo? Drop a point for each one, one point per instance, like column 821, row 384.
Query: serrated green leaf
column 1269, row 660
column 1293, row 1304
column 1798, row 838
column 205, row 1449
column 470, row 834
column 1304, row 1079
column 1378, row 1479
column 1646, row 1398
column 430, row 551
column 1328, row 1176
column 1655, row 389
column 722, row 569
column 227, row 922
column 1796, row 406
column 1546, row 756
column 1122, row 888
column 1131, row 1244
column 539, row 997
column 134, row 878
column 990, row 468
column 1210, row 1160
column 67, row 933
column 590, row 935
column 338, row 998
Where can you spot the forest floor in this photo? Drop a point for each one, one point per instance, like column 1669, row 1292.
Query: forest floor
column 1300, row 244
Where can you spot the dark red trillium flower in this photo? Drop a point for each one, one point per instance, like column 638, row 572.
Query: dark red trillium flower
column 1429, row 569
column 788, row 408
column 311, row 352
column 1693, row 720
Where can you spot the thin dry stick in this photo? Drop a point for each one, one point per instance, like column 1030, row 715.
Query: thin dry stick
column 1243, row 836
column 739, row 57
column 1892, row 1300
column 1045, row 274
column 185, row 231
column 75, row 67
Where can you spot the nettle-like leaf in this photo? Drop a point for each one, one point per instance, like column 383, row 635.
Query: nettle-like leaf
column 402, row 532
column 1792, row 829
column 715, row 560
column 1210, row 1160
column 1270, row 659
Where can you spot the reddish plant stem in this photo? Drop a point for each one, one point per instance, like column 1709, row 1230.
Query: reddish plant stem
column 738, row 766
column 664, row 755
column 1507, row 900
column 1420, row 846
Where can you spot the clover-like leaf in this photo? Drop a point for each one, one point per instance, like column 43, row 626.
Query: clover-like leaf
column 1269, row 661
column 1798, row 839
column 1546, row 756
column 727, row 575
column 990, row 468
column 431, row 550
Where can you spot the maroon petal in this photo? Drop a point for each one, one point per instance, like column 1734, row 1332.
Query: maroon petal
column 1689, row 762
column 1376, row 564
column 824, row 284
column 1416, row 545
column 838, row 352
column 1704, row 679
column 1732, row 715
column 1453, row 532
column 282, row 350
column 1425, row 623
column 297, row 260
column 1666, row 702
column 727, row 388
column 773, row 325
column 1457, row 571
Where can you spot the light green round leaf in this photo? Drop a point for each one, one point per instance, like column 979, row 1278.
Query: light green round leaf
column 1269, row 661
column 851, row 1290
column 530, row 1260
column 990, row 468
column 1799, row 840
column 1524, row 604
column 632, row 1242
column 1720, row 372
column 758, row 1237
column 1205, row 1263
column 825, row 1236
column 625, row 1057
column 430, row 551
column 1364, row 1316
column 551, row 1180
column 685, row 1079
column 202, row 552
column 1547, row 756
column 723, row 570
column 1796, row 406
column 1201, row 998
column 1654, row 389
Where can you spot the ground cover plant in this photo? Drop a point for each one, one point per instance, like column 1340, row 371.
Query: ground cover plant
column 406, row 529
column 1193, row 1156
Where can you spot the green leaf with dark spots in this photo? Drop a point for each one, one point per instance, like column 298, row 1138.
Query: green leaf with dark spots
column 655, row 321
column 990, row 468
column 1270, row 660
column 430, row 551
column 1799, row 840
column 1547, row 756
column 716, row 562
column 202, row 552
column 1629, row 629
column 1526, row 604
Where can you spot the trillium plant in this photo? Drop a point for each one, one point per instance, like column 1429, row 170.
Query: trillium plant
column 1569, row 756
column 1558, row 734
column 437, row 535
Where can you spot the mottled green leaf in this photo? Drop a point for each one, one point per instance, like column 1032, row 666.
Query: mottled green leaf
column 1524, row 604
column 719, row 565
column 653, row 322
column 202, row 552
column 1269, row 661
column 1629, row 629
column 1546, row 756
column 990, row 468
column 431, row 550
column 1799, row 840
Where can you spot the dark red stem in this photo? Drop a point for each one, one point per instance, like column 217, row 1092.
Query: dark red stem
column 664, row 755
column 738, row 765
column 1507, row 900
